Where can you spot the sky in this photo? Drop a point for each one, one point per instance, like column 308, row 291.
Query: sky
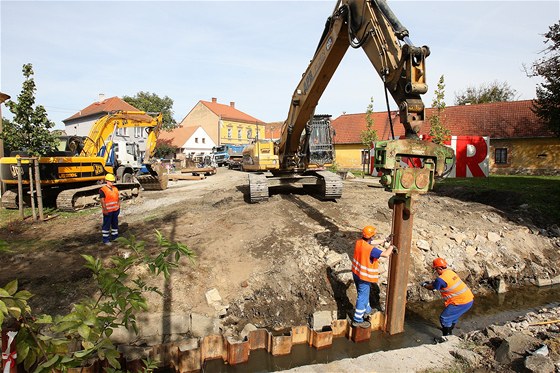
column 252, row 53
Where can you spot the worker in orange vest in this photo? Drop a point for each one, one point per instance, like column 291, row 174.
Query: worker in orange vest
column 456, row 294
column 365, row 270
column 111, row 207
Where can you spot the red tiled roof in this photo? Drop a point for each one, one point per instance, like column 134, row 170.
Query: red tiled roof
column 229, row 112
column 273, row 130
column 106, row 106
column 497, row 120
column 178, row 136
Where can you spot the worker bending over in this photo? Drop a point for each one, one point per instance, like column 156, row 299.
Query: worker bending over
column 456, row 294
column 365, row 270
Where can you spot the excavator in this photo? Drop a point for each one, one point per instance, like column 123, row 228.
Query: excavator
column 305, row 147
column 70, row 176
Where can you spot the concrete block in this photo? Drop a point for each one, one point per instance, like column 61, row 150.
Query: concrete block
column 544, row 282
column 321, row 319
column 203, row 325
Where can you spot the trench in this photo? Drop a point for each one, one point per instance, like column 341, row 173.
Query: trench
column 421, row 326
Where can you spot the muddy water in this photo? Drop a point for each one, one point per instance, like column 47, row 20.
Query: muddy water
column 421, row 326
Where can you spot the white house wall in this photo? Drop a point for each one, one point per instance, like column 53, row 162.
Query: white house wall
column 204, row 144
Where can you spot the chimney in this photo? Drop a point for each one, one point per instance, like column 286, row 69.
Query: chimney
column 214, row 99
column 232, row 104
column 101, row 97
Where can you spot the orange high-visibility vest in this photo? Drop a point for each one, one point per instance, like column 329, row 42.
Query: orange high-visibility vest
column 112, row 202
column 456, row 292
column 362, row 265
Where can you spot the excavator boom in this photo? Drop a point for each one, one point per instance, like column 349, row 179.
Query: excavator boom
column 370, row 25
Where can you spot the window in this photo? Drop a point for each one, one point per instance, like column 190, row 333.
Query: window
column 121, row 131
column 137, row 132
column 250, row 133
column 365, row 156
column 196, row 140
column 239, row 133
column 204, row 140
column 501, row 156
column 229, row 133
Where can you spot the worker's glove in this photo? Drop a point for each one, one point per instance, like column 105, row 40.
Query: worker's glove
column 389, row 238
column 425, row 283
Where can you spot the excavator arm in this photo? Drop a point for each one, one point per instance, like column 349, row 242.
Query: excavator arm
column 370, row 25
column 103, row 131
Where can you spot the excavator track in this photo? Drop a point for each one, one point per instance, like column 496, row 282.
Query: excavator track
column 150, row 182
column 330, row 185
column 80, row 198
column 258, row 188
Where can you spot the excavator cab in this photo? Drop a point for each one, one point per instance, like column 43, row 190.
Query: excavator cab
column 320, row 145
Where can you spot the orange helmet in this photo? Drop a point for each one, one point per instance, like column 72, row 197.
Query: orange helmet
column 369, row 231
column 439, row 262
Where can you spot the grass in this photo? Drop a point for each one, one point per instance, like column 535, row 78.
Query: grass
column 537, row 195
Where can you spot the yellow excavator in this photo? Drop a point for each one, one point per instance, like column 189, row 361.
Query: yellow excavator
column 71, row 176
column 305, row 146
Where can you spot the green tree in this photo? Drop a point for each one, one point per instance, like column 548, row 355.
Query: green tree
column 165, row 149
column 29, row 129
column 547, row 104
column 369, row 135
column 486, row 93
column 438, row 131
column 151, row 102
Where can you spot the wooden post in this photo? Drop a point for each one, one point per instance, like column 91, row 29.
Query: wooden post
column 38, row 188
column 32, row 190
column 399, row 262
column 20, row 188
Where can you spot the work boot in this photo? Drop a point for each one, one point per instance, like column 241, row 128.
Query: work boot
column 364, row 324
column 441, row 339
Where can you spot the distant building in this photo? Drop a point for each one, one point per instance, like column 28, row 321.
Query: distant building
column 189, row 141
column 80, row 123
column 224, row 123
column 520, row 143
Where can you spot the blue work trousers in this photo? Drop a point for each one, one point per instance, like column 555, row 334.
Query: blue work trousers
column 110, row 227
column 362, row 303
column 451, row 314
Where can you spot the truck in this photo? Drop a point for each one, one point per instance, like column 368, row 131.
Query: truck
column 72, row 174
column 228, row 155
column 305, row 148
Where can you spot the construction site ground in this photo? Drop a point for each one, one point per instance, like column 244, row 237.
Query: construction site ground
column 276, row 263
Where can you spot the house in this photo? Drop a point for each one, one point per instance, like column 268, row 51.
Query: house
column 188, row 141
column 81, row 122
column 519, row 141
column 224, row 123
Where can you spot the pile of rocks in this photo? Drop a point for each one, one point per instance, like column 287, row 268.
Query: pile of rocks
column 528, row 343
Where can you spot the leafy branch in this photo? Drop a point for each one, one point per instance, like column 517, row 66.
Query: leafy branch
column 45, row 342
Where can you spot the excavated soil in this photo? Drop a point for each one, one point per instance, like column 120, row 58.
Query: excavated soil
column 277, row 262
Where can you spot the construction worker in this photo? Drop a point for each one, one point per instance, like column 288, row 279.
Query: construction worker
column 110, row 205
column 365, row 270
column 456, row 294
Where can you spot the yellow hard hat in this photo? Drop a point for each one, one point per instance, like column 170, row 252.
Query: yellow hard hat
column 368, row 232
column 110, row 177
